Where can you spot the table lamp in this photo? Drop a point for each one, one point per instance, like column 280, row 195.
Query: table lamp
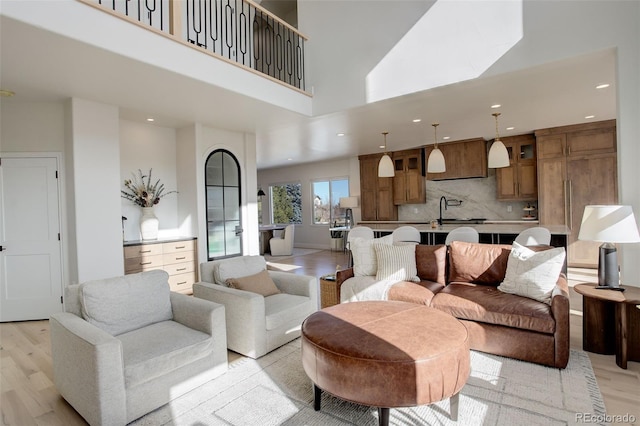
column 348, row 203
column 609, row 225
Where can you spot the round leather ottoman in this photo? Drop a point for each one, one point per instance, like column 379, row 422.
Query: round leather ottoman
column 386, row 354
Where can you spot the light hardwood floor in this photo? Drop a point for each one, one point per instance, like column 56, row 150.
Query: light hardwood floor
column 28, row 396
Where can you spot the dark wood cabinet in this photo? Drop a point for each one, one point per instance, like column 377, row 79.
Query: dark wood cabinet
column 576, row 166
column 409, row 180
column 519, row 180
column 376, row 194
column 464, row 159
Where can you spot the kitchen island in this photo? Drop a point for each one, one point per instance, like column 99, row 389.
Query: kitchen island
column 491, row 232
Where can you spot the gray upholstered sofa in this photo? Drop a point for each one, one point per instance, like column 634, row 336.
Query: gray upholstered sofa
column 127, row 345
column 257, row 324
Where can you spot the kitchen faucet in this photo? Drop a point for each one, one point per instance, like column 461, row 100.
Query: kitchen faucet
column 447, row 203
column 445, row 207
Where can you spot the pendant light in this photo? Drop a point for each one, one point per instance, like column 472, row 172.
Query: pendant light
column 435, row 163
column 385, row 167
column 498, row 154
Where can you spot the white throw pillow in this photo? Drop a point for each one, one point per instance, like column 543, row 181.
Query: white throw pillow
column 396, row 262
column 533, row 274
column 364, row 256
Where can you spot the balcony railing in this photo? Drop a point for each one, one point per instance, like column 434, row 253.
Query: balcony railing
column 239, row 31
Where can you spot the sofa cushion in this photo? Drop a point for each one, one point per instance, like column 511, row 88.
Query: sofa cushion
column 478, row 263
column 396, row 262
column 281, row 309
column 364, row 256
column 533, row 274
column 431, row 262
column 482, row 303
column 238, row 267
column 121, row 304
column 420, row 293
column 260, row 283
column 160, row 348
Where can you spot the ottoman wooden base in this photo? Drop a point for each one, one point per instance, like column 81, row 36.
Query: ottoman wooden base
column 385, row 354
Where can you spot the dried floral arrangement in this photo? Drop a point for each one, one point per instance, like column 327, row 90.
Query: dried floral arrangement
column 140, row 191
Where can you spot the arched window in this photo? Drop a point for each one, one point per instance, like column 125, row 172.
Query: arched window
column 224, row 221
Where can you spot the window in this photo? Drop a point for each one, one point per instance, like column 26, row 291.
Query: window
column 286, row 203
column 224, row 230
column 326, row 201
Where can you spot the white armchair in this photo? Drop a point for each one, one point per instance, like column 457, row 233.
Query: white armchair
column 256, row 324
column 127, row 345
column 283, row 246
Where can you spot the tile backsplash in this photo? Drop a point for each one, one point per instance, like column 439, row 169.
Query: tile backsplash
column 478, row 198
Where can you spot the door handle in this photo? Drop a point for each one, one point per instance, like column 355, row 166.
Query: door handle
column 2, row 248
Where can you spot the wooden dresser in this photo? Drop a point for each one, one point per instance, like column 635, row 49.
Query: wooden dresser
column 177, row 256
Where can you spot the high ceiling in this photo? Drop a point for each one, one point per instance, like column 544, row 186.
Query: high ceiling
column 41, row 66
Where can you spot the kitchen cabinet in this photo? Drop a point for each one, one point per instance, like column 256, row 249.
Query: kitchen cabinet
column 519, row 180
column 177, row 257
column 409, row 181
column 376, row 194
column 464, row 159
column 577, row 166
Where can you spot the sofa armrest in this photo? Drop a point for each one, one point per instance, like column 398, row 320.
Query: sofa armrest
column 197, row 313
column 342, row 276
column 560, row 311
column 245, row 315
column 88, row 369
column 299, row 285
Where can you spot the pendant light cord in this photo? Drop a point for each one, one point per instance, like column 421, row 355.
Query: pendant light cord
column 435, row 135
column 496, row 114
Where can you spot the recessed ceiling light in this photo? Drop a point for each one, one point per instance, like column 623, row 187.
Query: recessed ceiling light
column 6, row 93
column 510, row 128
column 417, row 120
column 602, row 86
column 340, row 134
column 589, row 116
column 289, row 159
column 496, row 106
column 446, row 138
column 381, row 146
column 150, row 119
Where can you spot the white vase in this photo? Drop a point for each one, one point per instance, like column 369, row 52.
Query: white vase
column 149, row 224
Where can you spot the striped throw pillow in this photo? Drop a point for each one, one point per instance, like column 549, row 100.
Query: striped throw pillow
column 396, row 262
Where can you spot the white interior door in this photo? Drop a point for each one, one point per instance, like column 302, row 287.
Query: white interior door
column 30, row 260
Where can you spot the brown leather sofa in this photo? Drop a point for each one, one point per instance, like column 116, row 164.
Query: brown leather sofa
column 462, row 280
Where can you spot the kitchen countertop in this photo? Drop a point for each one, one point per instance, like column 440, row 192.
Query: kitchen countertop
column 488, row 227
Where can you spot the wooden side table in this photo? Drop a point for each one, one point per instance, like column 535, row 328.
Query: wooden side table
column 611, row 322
column 329, row 291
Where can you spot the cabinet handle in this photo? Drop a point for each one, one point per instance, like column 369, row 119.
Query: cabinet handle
column 145, row 263
column 144, row 251
column 181, row 283
column 569, row 150
column 180, row 247
column 570, row 206
column 180, row 258
column 181, row 269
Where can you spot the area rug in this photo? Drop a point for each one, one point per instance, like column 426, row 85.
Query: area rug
column 274, row 390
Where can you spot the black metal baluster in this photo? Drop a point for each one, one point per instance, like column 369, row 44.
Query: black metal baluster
column 213, row 24
column 150, row 10
column 228, row 34
column 243, row 33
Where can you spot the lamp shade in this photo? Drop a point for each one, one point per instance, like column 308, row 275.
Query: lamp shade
column 435, row 163
column 498, row 155
column 385, row 167
column 348, row 202
column 610, row 224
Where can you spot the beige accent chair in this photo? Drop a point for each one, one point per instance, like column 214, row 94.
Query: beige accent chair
column 256, row 324
column 283, row 245
column 127, row 345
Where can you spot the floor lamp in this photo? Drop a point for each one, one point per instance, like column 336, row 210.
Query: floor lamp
column 609, row 225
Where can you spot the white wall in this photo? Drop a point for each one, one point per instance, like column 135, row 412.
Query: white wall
column 93, row 138
column 144, row 147
column 307, row 234
column 31, row 126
